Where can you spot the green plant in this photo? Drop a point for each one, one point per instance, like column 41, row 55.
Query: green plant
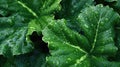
column 60, row 33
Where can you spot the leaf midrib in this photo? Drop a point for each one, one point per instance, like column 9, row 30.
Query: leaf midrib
column 26, row 7
column 96, row 34
column 78, row 61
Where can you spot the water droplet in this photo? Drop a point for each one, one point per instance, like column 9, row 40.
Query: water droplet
column 103, row 42
column 96, row 12
column 106, row 19
column 86, row 26
column 57, row 62
column 92, row 25
column 102, row 23
column 66, row 61
column 69, row 59
column 111, row 38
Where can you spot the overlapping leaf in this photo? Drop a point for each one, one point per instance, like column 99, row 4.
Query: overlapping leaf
column 39, row 24
column 14, row 18
column 69, row 48
column 42, row 7
column 13, row 37
column 71, row 9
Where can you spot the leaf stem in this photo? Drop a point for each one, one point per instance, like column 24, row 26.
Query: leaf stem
column 81, row 59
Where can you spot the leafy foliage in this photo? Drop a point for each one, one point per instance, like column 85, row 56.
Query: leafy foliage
column 14, row 27
column 59, row 33
column 96, row 44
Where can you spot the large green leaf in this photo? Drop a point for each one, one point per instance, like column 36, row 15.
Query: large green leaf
column 69, row 48
column 99, row 21
column 14, row 19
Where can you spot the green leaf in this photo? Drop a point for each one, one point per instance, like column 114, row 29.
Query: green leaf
column 61, row 45
column 13, row 29
column 15, row 16
column 34, row 59
column 32, row 8
column 41, row 7
column 9, row 8
column 13, row 37
column 39, row 24
column 115, row 4
column 117, row 41
column 118, row 37
column 69, row 48
column 71, row 9
column 97, row 21
column 102, row 62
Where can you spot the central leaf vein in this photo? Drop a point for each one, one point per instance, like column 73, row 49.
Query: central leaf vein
column 30, row 10
column 96, row 34
column 81, row 59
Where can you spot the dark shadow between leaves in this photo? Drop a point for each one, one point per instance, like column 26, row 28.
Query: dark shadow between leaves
column 39, row 43
column 105, row 3
column 2, row 60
